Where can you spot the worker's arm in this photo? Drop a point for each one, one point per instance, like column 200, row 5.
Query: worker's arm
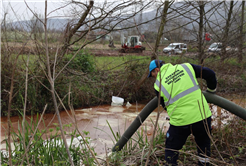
column 161, row 99
column 206, row 74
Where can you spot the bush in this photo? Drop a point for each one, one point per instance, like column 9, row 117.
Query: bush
column 192, row 49
column 7, row 63
column 83, row 61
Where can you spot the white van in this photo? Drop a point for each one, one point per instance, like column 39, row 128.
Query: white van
column 175, row 48
column 216, row 47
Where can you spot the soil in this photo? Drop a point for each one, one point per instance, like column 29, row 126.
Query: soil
column 115, row 52
column 95, row 49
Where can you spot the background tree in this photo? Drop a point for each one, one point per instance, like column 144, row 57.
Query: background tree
column 241, row 37
column 107, row 17
column 201, row 30
column 161, row 27
column 226, row 31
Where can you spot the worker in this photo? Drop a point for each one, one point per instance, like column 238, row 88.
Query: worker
column 187, row 108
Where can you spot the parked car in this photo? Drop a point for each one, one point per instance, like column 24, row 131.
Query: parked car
column 175, row 48
column 216, row 47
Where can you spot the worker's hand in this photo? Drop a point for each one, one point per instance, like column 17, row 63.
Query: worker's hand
column 213, row 91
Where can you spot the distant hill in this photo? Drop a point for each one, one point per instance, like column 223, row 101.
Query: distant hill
column 217, row 17
column 52, row 24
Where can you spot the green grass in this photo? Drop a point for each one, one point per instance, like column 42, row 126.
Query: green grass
column 110, row 62
column 118, row 63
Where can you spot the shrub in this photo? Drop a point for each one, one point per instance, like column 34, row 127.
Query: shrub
column 192, row 49
column 83, row 61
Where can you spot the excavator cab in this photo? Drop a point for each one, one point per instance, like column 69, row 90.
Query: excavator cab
column 132, row 45
column 132, row 41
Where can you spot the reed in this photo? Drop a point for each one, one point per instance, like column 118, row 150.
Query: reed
column 44, row 149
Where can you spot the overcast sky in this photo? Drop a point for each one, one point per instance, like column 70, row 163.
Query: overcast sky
column 17, row 9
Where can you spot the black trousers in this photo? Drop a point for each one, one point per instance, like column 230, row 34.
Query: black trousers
column 177, row 136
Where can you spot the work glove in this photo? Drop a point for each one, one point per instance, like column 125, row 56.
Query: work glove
column 213, row 91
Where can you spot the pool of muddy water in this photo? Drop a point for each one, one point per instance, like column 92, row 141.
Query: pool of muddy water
column 96, row 121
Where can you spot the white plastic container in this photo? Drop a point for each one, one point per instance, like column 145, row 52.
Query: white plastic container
column 117, row 101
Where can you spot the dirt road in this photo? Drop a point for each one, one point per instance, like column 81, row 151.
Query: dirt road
column 115, row 52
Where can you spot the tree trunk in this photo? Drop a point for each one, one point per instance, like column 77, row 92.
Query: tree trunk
column 157, row 43
column 200, row 35
column 51, row 79
column 240, row 49
column 226, row 32
column 70, row 32
column 160, row 30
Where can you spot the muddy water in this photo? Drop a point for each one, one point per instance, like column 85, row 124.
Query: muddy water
column 95, row 120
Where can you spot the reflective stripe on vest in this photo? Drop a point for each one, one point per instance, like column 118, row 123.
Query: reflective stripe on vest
column 182, row 94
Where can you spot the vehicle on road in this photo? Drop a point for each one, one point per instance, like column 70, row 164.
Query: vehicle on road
column 175, row 48
column 216, row 47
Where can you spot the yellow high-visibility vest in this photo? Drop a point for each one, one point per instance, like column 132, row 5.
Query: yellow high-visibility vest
column 183, row 98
